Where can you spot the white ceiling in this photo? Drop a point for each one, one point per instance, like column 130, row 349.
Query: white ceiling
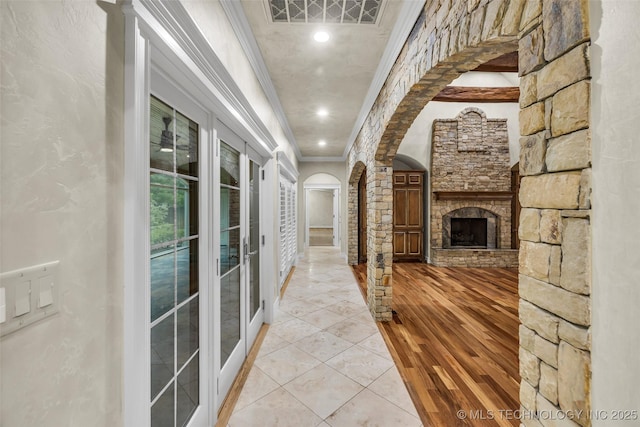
column 336, row 75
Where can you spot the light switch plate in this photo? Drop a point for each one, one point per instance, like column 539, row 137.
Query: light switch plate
column 31, row 294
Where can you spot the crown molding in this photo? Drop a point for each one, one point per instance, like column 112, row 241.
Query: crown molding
column 240, row 25
column 287, row 167
column 406, row 20
column 322, row 159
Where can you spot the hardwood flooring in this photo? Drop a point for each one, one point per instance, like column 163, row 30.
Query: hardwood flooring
column 454, row 338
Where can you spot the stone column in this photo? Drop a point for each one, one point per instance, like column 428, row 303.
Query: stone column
column 555, row 229
column 380, row 239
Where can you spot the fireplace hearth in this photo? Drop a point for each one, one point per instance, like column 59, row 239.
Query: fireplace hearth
column 468, row 233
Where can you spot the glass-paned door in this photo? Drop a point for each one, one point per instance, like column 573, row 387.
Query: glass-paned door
column 230, row 217
column 174, row 266
column 253, row 253
column 240, row 299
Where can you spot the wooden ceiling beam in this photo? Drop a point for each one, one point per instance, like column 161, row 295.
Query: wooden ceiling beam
column 478, row 94
column 507, row 63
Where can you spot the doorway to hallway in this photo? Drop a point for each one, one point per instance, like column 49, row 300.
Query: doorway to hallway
column 320, row 208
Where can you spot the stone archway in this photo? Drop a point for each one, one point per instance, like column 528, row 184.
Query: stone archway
column 356, row 172
column 552, row 38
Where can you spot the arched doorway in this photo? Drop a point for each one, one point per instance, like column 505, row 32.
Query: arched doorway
column 322, row 210
column 362, row 218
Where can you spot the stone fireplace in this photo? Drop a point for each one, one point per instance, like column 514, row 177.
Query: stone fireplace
column 471, row 192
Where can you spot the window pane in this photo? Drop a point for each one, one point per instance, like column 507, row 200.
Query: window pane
column 161, row 135
column 162, row 281
column 229, row 313
column 162, row 345
column 186, row 145
column 187, row 257
column 188, row 393
column 229, row 250
column 162, row 412
column 188, row 342
column 162, row 208
column 254, row 207
column 229, row 208
column 254, row 286
column 186, row 208
column 229, row 165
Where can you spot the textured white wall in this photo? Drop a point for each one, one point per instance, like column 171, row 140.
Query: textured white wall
column 62, row 199
column 615, row 59
column 321, row 208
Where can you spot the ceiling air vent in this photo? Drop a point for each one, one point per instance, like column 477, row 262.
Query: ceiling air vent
column 325, row 11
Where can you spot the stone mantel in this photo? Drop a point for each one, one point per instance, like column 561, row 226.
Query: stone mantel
column 473, row 195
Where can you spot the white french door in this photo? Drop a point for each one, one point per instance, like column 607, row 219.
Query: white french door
column 178, row 275
column 238, row 296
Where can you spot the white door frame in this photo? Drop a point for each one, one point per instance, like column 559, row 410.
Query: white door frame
column 336, row 210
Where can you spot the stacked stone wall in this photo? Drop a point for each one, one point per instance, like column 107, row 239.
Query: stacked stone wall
column 551, row 36
column 470, row 154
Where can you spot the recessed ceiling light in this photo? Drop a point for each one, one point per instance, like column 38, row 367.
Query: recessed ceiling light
column 321, row 36
column 322, row 143
column 322, row 112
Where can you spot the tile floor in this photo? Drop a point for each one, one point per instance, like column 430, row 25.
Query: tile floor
column 323, row 361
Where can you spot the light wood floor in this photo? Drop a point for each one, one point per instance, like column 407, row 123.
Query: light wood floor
column 455, row 341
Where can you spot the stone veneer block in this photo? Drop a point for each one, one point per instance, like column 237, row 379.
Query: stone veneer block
column 528, row 89
column 529, row 227
column 549, row 383
column 511, row 19
column 530, row 52
column 574, row 381
column 529, row 367
column 575, row 335
column 493, row 19
column 534, row 259
column 527, row 337
column 528, row 396
column 532, row 153
column 546, row 351
column 571, row 109
column 530, row 421
column 551, row 226
column 568, row 305
column 564, row 71
column 552, row 416
column 554, row 265
column 566, row 24
column 475, row 26
column 575, row 272
column 567, row 152
column 584, row 200
column 532, row 10
column 551, row 191
column 541, row 321
column 532, row 119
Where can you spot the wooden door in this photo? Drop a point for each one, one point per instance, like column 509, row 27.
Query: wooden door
column 362, row 219
column 408, row 215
